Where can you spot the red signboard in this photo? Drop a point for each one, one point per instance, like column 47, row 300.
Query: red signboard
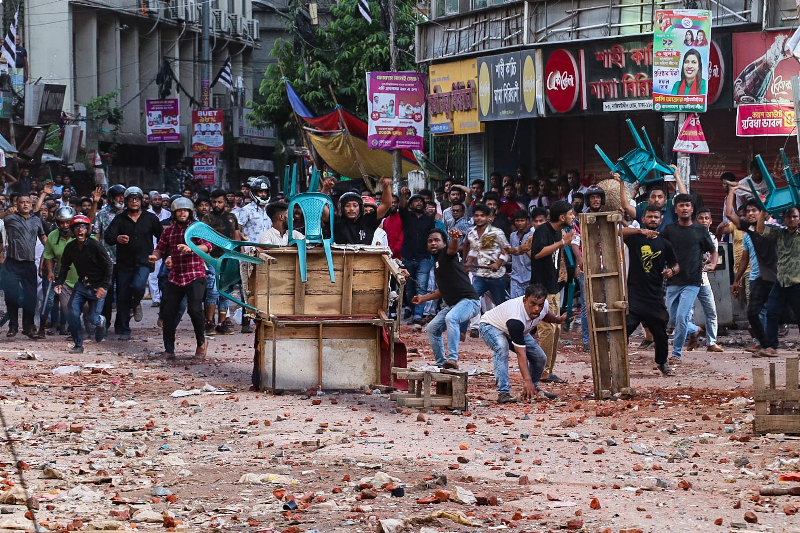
column 205, row 168
column 716, row 73
column 762, row 71
column 562, row 81
column 764, row 120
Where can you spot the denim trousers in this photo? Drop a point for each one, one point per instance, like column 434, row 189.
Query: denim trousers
column 449, row 319
column 584, row 311
column 778, row 298
column 706, row 297
column 19, row 284
column 81, row 295
column 757, row 308
column 497, row 341
column 680, row 302
column 517, row 289
column 496, row 287
column 213, row 297
column 131, row 283
column 419, row 271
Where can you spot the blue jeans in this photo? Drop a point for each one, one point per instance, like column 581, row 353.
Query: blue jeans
column 131, row 283
column 584, row 313
column 19, row 285
column 81, row 295
column 450, row 318
column 420, row 271
column 517, row 289
column 494, row 286
column 706, row 297
column 680, row 301
column 498, row 342
column 778, row 298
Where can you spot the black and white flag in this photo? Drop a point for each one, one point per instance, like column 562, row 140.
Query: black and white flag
column 363, row 7
column 10, row 43
column 225, row 77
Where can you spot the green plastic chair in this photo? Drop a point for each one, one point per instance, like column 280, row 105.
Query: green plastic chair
column 635, row 166
column 312, row 204
column 226, row 266
column 791, row 179
column 777, row 200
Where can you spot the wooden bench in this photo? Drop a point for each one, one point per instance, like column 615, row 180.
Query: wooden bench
column 777, row 410
column 451, row 389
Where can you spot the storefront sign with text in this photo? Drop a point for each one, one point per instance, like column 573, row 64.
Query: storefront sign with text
column 205, row 168
column 453, row 97
column 508, row 86
column 562, row 81
column 764, row 120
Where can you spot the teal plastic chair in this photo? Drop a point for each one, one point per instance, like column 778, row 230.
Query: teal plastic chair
column 312, row 204
column 791, row 179
column 777, row 200
column 636, row 165
column 227, row 265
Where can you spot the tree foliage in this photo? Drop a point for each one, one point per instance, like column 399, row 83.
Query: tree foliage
column 337, row 55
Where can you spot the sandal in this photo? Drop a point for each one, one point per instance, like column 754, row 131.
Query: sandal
column 11, row 333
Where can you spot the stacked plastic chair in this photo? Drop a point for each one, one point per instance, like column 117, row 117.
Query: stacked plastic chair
column 778, row 200
column 636, row 165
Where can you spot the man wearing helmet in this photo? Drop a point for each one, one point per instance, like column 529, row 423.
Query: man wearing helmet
column 57, row 240
column 353, row 226
column 115, row 203
column 253, row 217
column 187, row 277
column 132, row 233
column 94, row 268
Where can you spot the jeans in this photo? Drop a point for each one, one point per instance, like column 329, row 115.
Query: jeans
column 680, row 301
column 756, row 308
column 494, row 286
column 655, row 320
column 81, row 295
column 706, row 297
column 584, row 311
column 420, row 271
column 131, row 283
column 450, row 319
column 20, row 276
column 109, row 304
column 64, row 301
column 778, row 298
column 497, row 341
column 517, row 289
column 173, row 296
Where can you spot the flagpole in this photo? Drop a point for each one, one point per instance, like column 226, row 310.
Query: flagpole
column 306, row 140
column 397, row 162
column 205, row 57
column 352, row 146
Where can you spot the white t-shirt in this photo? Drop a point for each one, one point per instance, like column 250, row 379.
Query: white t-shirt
column 273, row 236
column 508, row 316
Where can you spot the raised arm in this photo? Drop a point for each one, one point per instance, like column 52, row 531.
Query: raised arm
column 626, row 206
column 386, row 197
column 678, row 181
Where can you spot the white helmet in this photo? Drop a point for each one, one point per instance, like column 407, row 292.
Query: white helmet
column 261, row 183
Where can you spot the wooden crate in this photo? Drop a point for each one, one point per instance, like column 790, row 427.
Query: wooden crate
column 451, row 389
column 777, row 410
column 360, row 289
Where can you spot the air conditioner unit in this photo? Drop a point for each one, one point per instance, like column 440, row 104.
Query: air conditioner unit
column 171, row 10
column 181, row 12
column 221, row 101
column 251, row 25
column 220, row 21
column 191, row 11
column 154, row 6
column 237, row 24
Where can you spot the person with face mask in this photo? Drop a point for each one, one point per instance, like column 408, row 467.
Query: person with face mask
column 57, row 240
column 94, row 269
column 353, row 226
column 115, row 204
column 187, row 277
column 416, row 257
column 132, row 232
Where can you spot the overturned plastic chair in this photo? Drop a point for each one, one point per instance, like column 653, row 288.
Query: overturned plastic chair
column 312, row 204
column 226, row 266
column 634, row 166
column 777, row 200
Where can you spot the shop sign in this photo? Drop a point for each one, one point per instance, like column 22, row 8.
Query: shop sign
column 163, row 118
column 562, row 81
column 716, row 73
column 681, row 42
column 763, row 73
column 617, row 77
column 205, row 168
column 453, row 98
column 509, row 87
column 207, row 130
column 765, row 120
column 397, row 110
column 691, row 139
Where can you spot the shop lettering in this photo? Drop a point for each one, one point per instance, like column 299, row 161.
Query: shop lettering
column 560, row 80
column 615, row 56
column 501, row 69
column 507, row 93
column 780, row 86
column 460, row 98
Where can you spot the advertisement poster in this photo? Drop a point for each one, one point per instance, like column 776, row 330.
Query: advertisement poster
column 453, row 98
column 681, row 42
column 205, row 168
column 691, row 139
column 163, row 119
column 207, row 131
column 762, row 68
column 508, row 87
column 764, row 120
column 618, row 77
column 397, row 110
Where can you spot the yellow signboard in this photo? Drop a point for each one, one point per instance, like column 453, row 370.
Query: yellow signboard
column 453, row 98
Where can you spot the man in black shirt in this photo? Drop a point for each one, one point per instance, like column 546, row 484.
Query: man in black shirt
column 652, row 260
column 498, row 220
column 416, row 258
column 460, row 299
column 689, row 241
column 132, row 232
column 94, row 268
column 353, row 226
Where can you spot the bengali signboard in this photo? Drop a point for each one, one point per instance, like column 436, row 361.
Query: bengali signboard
column 163, row 120
column 397, row 110
column 207, row 130
column 453, row 98
column 509, row 87
column 691, row 139
column 763, row 70
column 618, row 77
column 205, row 168
column 681, row 43
column 562, row 81
column 765, row 120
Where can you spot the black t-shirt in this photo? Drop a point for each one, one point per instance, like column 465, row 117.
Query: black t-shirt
column 689, row 243
column 358, row 231
column 503, row 223
column 766, row 255
column 648, row 258
column 545, row 270
column 452, row 279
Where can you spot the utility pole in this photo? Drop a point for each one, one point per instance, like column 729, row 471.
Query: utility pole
column 205, row 57
column 397, row 162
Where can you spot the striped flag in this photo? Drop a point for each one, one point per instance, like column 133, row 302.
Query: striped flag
column 10, row 44
column 363, row 7
column 225, row 77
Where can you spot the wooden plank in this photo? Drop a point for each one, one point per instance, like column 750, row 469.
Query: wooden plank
column 758, row 385
column 459, row 392
column 347, row 285
column 299, row 292
column 432, row 401
column 791, row 373
column 603, row 274
column 435, row 376
column 767, row 395
column 776, row 424
column 260, row 358
column 426, row 392
column 772, row 383
column 331, row 332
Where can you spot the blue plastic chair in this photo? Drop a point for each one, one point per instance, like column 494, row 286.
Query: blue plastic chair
column 227, row 265
column 634, row 166
column 312, row 204
column 791, row 179
column 777, row 200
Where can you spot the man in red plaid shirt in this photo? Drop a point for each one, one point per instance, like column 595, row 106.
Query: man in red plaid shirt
column 187, row 277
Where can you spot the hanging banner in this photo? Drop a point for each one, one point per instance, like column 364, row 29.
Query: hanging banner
column 508, row 86
column 163, row 118
column 205, row 168
column 617, row 77
column 207, row 131
column 397, row 110
column 763, row 70
column 453, row 98
column 691, row 139
column 681, row 41
column 765, row 120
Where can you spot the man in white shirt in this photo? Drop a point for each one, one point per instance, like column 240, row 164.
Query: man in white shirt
column 743, row 192
column 156, row 207
column 508, row 327
column 278, row 234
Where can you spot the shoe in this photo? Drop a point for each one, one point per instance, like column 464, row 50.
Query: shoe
column 137, row 313
column 451, row 365
column 51, row 331
column 665, row 369
column 100, row 330
column 155, row 304
column 783, row 331
column 168, row 355
column 544, row 395
column 418, row 321
column 11, row 333
column 125, row 337
column 585, row 348
column 753, row 348
column 463, row 336
column 160, row 322
column 715, row 348
column 552, row 378
column 506, row 398
column 201, row 350
column 691, row 340
column 646, row 343
column 226, row 328
column 76, row 349
column 674, row 360
column 247, row 329
column 210, row 329
column 32, row 335
column 407, row 313
column 474, row 334
column 768, row 352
